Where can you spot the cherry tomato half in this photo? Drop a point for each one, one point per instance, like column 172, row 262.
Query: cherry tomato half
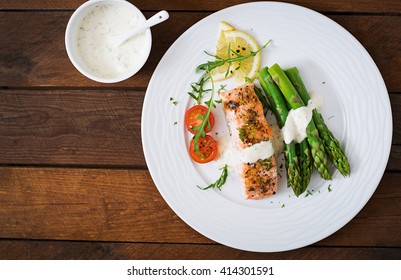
column 207, row 149
column 193, row 118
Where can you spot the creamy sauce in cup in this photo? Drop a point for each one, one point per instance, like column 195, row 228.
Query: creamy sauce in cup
column 98, row 54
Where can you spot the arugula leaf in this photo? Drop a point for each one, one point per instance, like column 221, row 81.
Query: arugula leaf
column 219, row 182
column 198, row 90
column 201, row 128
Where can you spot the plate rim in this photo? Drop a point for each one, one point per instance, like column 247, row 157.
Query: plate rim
column 366, row 54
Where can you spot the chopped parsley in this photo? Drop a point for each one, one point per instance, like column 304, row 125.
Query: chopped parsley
column 308, row 193
column 242, row 131
column 175, row 102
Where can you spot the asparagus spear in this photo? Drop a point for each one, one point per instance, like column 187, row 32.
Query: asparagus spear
column 305, row 164
column 278, row 106
column 331, row 144
column 263, row 99
column 304, row 157
column 292, row 97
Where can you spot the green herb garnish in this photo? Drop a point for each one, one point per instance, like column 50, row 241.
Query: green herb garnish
column 210, row 65
column 198, row 90
column 263, row 99
column 200, row 130
column 220, row 181
column 308, row 193
column 241, row 134
column 175, row 102
column 199, row 127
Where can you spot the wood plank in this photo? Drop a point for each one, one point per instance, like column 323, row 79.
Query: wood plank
column 394, row 162
column 396, row 112
column 390, row 6
column 69, row 250
column 124, row 205
column 38, row 56
column 71, row 127
column 91, row 128
column 87, row 204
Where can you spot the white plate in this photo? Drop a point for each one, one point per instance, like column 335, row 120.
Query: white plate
column 356, row 109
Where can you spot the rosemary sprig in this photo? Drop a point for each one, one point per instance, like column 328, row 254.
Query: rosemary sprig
column 219, row 182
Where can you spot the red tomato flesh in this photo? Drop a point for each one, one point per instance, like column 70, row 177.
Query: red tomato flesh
column 193, row 118
column 207, row 149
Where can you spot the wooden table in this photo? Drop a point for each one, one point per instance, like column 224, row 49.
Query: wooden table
column 73, row 178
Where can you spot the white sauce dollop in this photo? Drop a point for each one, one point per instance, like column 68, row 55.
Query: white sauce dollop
column 295, row 125
column 233, row 157
column 298, row 119
column 257, row 151
column 98, row 54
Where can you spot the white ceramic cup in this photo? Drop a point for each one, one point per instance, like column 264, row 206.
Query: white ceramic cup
column 71, row 36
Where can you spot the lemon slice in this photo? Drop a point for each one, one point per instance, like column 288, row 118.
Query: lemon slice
column 242, row 43
column 220, row 73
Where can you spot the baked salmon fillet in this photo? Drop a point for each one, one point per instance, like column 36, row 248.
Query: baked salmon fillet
column 248, row 127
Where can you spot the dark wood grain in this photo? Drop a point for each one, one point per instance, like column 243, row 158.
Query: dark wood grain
column 394, row 162
column 73, row 178
column 391, row 6
column 38, row 56
column 87, row 204
column 124, row 205
column 71, row 127
column 70, row 250
column 396, row 111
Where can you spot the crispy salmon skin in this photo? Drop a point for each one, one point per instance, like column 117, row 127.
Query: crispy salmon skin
column 248, row 126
